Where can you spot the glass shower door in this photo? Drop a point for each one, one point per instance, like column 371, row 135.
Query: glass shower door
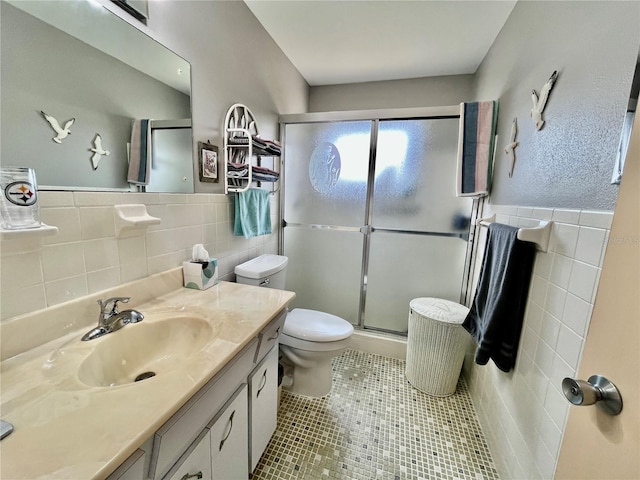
column 418, row 226
column 371, row 217
column 325, row 172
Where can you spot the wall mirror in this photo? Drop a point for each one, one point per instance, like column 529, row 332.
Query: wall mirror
column 78, row 60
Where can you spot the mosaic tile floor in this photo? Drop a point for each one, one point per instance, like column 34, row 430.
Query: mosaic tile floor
column 374, row 424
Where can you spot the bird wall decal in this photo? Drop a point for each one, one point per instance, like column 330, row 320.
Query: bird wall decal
column 61, row 133
column 540, row 102
column 511, row 146
column 98, row 151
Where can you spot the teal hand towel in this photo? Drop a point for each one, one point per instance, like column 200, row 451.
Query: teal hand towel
column 253, row 213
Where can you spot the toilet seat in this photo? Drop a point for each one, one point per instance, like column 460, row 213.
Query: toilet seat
column 315, row 326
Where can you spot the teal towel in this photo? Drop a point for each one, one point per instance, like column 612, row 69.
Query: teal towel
column 253, row 213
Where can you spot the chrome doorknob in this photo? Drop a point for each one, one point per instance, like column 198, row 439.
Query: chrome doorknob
column 597, row 390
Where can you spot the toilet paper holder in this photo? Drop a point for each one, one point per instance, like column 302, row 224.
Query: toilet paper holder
column 597, row 390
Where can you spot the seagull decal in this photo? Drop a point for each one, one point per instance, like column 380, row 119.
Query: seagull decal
column 511, row 146
column 540, row 102
column 61, row 133
column 98, row 151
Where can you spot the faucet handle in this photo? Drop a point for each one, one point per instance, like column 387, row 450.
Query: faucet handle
column 110, row 305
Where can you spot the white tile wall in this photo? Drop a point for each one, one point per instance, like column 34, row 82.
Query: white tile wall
column 523, row 413
column 86, row 257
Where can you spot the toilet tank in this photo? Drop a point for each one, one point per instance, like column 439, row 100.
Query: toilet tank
column 264, row 271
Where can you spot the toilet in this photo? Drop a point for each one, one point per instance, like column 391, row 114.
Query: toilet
column 309, row 338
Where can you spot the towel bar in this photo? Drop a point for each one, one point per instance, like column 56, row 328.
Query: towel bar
column 539, row 234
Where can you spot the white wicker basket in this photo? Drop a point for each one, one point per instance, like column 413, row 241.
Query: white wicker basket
column 436, row 345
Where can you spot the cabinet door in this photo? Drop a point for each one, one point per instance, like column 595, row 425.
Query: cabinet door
column 196, row 461
column 263, row 405
column 230, row 439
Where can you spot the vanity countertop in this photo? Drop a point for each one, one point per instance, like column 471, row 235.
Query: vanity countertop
column 65, row 429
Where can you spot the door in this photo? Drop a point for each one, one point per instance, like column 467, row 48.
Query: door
column 230, row 439
column 371, row 217
column 417, row 246
column 325, row 198
column 172, row 160
column 263, row 406
column 596, row 445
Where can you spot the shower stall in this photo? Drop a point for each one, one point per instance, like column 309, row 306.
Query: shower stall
column 369, row 211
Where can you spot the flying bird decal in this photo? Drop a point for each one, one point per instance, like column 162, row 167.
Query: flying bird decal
column 511, row 146
column 540, row 102
column 98, row 151
column 61, row 133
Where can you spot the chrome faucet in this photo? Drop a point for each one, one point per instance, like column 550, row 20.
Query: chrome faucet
column 110, row 319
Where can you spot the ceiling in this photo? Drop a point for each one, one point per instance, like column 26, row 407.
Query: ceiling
column 343, row 41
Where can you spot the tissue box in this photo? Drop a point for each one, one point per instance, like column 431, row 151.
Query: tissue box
column 200, row 275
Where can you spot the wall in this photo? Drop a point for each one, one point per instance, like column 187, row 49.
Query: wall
column 594, row 46
column 233, row 60
column 85, row 256
column 608, row 446
column 562, row 174
column 417, row 92
column 523, row 413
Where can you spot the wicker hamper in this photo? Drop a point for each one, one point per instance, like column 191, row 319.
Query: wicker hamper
column 436, row 345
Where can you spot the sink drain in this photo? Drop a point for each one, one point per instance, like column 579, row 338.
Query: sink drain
column 144, row 376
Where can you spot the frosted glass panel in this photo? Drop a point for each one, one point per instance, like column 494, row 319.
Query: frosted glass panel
column 326, row 169
column 325, row 270
column 416, row 177
column 403, row 267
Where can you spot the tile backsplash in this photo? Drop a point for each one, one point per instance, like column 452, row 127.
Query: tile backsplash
column 85, row 256
column 523, row 413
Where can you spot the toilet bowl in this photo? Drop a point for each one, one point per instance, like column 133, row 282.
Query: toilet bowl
column 309, row 338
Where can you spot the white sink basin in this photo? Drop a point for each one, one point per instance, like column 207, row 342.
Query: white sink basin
column 143, row 350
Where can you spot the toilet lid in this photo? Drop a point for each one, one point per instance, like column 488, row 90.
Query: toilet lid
column 316, row 326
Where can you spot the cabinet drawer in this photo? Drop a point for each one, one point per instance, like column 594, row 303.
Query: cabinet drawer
column 269, row 335
column 131, row 469
column 263, row 405
column 184, row 426
column 196, row 461
column 230, row 439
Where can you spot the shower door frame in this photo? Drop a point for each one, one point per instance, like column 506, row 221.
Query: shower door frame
column 375, row 117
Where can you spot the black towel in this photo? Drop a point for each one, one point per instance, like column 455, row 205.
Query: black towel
column 496, row 315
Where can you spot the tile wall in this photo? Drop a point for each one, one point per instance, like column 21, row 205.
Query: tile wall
column 85, row 256
column 523, row 413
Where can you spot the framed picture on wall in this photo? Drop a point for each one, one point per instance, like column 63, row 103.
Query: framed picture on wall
column 208, row 162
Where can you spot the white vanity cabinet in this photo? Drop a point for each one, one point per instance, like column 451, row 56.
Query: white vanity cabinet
column 222, row 431
column 171, row 440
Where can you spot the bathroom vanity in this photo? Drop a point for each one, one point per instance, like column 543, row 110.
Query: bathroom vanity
column 206, row 406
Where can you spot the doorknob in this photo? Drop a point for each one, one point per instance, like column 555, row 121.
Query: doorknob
column 597, row 389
